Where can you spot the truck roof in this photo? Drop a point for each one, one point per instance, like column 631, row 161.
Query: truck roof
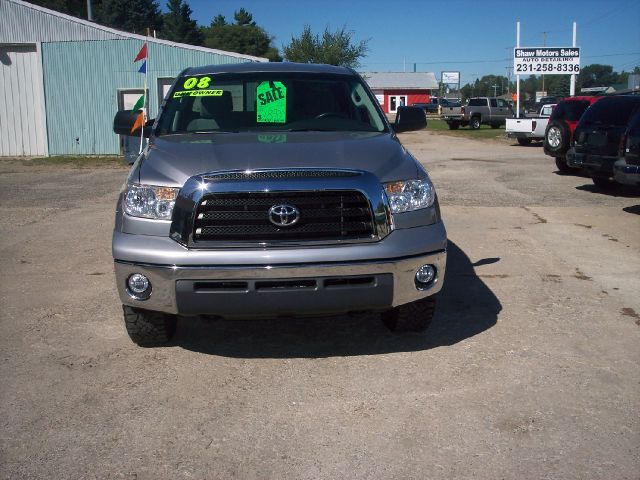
column 261, row 67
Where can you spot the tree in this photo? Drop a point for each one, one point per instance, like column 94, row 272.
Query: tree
column 597, row 75
column 130, row 15
column 244, row 36
column 76, row 8
column 178, row 25
column 487, row 86
column 334, row 48
column 242, row 17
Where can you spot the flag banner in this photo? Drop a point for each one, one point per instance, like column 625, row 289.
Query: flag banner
column 142, row 53
column 143, row 68
column 139, row 104
column 138, row 123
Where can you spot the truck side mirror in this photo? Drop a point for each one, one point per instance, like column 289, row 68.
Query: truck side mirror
column 409, row 118
column 125, row 119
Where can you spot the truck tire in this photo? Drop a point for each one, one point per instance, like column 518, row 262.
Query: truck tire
column 453, row 125
column 556, row 138
column 561, row 163
column 411, row 317
column 495, row 125
column 524, row 141
column 147, row 328
column 474, row 124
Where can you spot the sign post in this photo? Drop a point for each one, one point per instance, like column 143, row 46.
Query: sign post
column 546, row 61
column 517, row 74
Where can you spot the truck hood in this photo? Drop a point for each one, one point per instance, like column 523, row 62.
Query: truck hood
column 170, row 160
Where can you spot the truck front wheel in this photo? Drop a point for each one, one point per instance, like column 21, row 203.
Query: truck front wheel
column 412, row 317
column 475, row 123
column 524, row 141
column 147, row 328
column 453, row 125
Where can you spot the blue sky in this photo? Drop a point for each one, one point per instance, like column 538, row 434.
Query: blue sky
column 473, row 37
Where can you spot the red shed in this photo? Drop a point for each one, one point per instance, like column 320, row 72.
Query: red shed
column 394, row 89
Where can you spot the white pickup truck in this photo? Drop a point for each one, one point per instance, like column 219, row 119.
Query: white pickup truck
column 526, row 130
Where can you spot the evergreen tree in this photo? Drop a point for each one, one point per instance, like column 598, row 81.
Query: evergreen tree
column 334, row 48
column 242, row 17
column 76, row 8
column 244, row 36
column 131, row 15
column 178, row 25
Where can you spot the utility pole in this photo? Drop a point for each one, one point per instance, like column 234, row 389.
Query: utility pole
column 544, row 44
column 89, row 12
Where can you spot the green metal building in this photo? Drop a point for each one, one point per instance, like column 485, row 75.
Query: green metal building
column 62, row 79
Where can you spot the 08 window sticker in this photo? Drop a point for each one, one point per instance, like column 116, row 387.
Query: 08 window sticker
column 197, row 87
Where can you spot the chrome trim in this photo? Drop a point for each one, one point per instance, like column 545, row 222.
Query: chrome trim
column 164, row 277
column 190, row 195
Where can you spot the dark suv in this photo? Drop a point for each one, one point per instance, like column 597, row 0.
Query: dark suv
column 627, row 169
column 562, row 123
column 596, row 140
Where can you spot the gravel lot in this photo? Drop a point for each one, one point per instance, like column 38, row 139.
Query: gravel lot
column 530, row 370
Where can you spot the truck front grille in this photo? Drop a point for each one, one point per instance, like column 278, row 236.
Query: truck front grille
column 321, row 216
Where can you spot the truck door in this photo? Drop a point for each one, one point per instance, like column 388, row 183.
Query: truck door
column 503, row 108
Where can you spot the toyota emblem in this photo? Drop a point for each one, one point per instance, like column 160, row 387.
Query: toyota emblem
column 284, row 215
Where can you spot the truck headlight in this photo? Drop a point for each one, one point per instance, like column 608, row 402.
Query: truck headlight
column 148, row 201
column 410, row 195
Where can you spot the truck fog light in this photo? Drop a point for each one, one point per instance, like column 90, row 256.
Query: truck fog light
column 139, row 286
column 425, row 276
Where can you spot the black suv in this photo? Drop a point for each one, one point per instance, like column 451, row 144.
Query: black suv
column 627, row 169
column 596, row 140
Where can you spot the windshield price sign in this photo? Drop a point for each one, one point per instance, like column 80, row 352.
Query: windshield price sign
column 547, row 61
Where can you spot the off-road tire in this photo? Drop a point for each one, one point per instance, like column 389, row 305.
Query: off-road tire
column 495, row 125
column 454, row 125
column 561, row 164
column 604, row 183
column 412, row 317
column 524, row 141
column 474, row 123
column 556, row 138
column 147, row 328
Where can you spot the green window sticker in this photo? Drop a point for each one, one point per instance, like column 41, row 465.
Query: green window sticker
column 197, row 87
column 197, row 93
column 272, row 102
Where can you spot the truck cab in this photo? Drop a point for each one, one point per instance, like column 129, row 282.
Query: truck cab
column 275, row 189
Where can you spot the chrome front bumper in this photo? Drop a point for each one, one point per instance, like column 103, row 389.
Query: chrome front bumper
column 400, row 290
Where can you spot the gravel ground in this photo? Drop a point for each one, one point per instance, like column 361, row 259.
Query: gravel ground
column 529, row 371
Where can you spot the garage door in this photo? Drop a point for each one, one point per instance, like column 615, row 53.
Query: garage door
column 22, row 124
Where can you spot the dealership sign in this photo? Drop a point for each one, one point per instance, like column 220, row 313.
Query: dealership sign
column 450, row 78
column 546, row 61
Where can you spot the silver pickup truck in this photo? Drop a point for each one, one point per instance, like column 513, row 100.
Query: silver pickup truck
column 479, row 111
column 271, row 189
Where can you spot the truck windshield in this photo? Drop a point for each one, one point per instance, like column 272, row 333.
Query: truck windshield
column 268, row 101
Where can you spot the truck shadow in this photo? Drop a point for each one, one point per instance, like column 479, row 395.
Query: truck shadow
column 466, row 307
column 620, row 191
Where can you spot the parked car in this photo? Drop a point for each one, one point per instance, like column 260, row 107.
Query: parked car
column 435, row 104
column 598, row 135
column 529, row 129
column 481, row 111
column 274, row 189
column 626, row 170
column 561, row 125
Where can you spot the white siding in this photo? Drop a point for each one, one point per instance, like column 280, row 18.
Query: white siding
column 22, row 125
